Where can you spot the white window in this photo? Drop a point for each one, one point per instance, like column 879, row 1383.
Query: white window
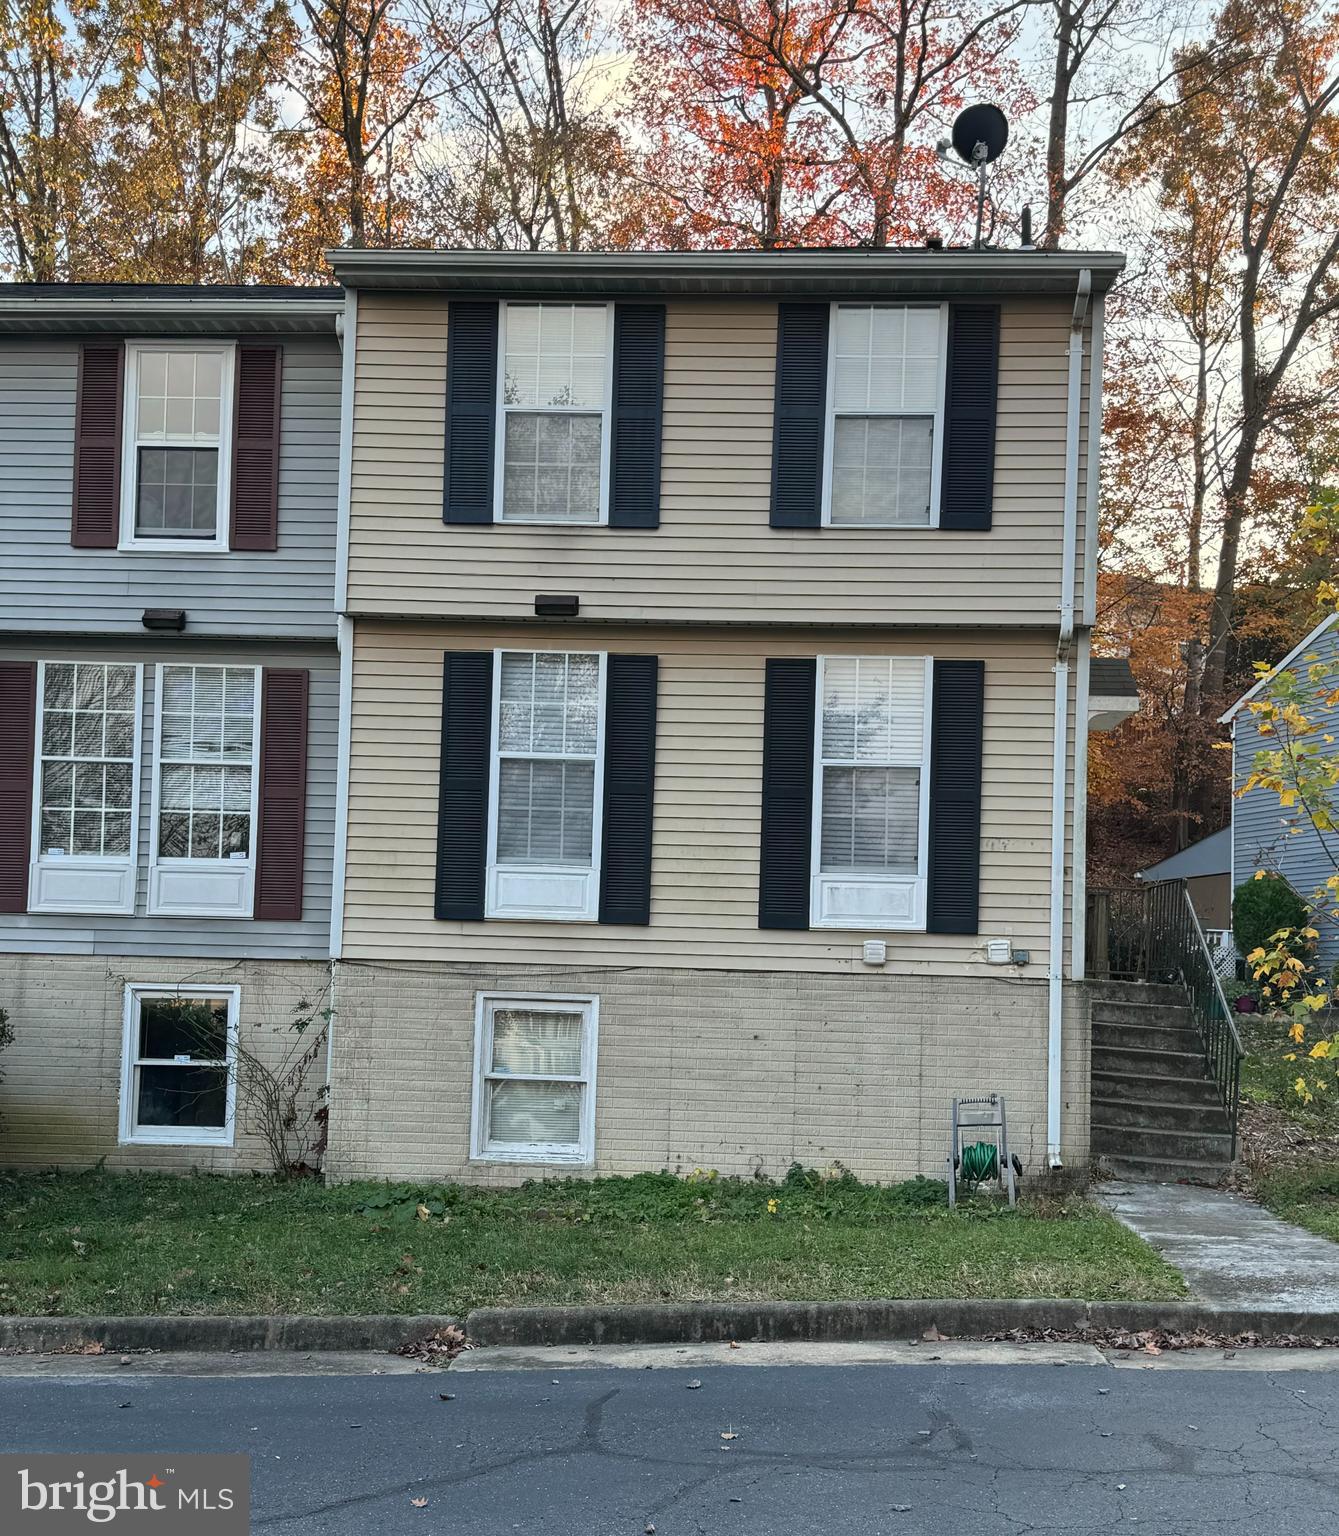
column 207, row 746
column 544, row 837
column 175, row 471
column 556, row 366
column 87, row 787
column 885, row 421
column 178, row 1065
column 871, row 792
column 534, row 1079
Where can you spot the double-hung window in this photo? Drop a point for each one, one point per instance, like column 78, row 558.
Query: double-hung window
column 553, row 432
column 534, row 1079
column 87, row 779
column 175, row 470
column 178, row 1066
column 871, row 800
column 544, row 836
column 885, row 421
column 207, row 734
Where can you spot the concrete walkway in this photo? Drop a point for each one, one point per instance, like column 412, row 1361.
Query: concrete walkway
column 1232, row 1252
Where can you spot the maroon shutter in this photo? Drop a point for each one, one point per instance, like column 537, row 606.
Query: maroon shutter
column 283, row 794
column 18, row 721
column 97, row 447
column 255, row 449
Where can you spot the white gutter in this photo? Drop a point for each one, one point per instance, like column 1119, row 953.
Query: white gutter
column 1092, row 495
column 344, row 638
column 347, row 330
column 1059, row 756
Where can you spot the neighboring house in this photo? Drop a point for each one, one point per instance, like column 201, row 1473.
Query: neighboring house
column 169, row 692
column 718, row 693
column 1265, row 835
column 1206, row 867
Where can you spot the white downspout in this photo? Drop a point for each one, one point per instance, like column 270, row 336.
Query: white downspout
column 1059, row 756
column 1088, row 617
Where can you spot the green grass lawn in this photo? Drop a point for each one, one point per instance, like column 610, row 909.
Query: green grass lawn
column 1307, row 1194
column 138, row 1243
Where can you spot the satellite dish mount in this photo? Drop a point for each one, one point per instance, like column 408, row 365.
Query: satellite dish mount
column 979, row 136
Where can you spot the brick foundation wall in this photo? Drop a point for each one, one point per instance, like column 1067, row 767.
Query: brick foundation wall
column 59, row 1103
column 709, row 1069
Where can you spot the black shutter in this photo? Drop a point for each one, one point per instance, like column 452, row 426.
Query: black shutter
column 955, row 796
column 799, row 415
column 471, row 411
column 969, row 417
column 629, row 789
column 639, row 392
column 462, row 806
column 787, row 793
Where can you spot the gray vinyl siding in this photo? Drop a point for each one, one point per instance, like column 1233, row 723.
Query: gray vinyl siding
column 207, row 938
column 1262, row 831
column 48, row 587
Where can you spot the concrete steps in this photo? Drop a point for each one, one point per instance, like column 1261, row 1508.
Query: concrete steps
column 1156, row 1112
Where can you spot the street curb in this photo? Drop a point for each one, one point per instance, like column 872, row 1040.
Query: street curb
column 861, row 1321
column 245, row 1335
column 689, row 1323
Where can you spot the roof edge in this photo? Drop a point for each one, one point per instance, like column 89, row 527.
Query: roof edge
column 1019, row 269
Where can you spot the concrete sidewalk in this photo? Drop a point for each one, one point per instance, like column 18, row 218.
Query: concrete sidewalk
column 1232, row 1252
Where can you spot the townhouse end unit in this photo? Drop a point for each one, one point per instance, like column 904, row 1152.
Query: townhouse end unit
column 169, row 703
column 644, row 697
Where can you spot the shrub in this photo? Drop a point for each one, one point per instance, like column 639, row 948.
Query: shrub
column 1261, row 907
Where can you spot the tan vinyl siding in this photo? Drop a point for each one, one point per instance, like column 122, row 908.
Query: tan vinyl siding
column 714, row 557
column 707, row 806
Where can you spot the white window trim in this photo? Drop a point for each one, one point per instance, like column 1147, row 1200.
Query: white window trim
column 500, row 425
column 132, row 1134
column 831, row 413
column 589, row 912
column 582, row 1155
column 159, row 904
column 85, row 866
column 818, row 880
column 130, row 444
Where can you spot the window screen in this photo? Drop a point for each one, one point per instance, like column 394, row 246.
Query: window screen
column 548, row 729
column 535, row 1078
column 885, row 399
column 554, row 393
column 872, row 735
column 178, row 421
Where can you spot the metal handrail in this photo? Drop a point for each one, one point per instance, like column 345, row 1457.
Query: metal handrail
column 1207, row 954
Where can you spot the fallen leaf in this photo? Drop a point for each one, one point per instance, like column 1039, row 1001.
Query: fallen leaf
column 734, row 1343
column 422, row 1212
column 418, row 1503
column 447, row 1397
column 932, row 1335
column 901, row 1509
column 694, row 1385
column 729, row 1434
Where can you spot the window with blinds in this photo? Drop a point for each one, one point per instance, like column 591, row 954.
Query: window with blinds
column 886, row 415
column 872, row 740
column 178, row 1066
column 534, row 1079
column 547, row 734
column 554, row 406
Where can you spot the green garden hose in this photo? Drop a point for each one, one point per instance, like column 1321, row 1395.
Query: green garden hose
column 980, row 1162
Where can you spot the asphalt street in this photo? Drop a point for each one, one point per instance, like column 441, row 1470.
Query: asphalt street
column 896, row 1449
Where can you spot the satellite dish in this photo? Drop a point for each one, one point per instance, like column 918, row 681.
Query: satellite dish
column 980, row 134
